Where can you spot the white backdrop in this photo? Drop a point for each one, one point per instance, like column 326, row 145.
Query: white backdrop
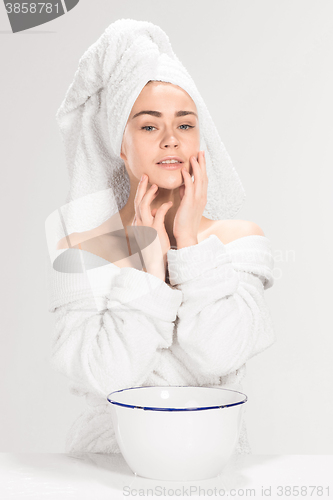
column 264, row 69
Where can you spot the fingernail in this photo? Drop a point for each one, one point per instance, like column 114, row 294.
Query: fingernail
column 142, row 177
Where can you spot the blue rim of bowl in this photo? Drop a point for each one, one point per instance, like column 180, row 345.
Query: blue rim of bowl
column 152, row 408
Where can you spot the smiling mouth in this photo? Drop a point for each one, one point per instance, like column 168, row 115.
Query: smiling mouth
column 170, row 162
column 171, row 166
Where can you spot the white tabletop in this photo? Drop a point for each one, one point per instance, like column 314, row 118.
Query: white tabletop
column 98, row 477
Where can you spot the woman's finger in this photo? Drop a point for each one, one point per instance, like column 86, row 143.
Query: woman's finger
column 203, row 161
column 181, row 191
column 144, row 206
column 197, row 165
column 199, row 176
column 203, row 167
column 134, row 221
column 140, row 193
column 161, row 211
column 187, row 181
column 200, row 163
column 141, row 189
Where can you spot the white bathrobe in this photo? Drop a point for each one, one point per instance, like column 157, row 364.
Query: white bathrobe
column 199, row 331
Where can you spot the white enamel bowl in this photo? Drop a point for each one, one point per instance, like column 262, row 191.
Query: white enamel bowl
column 177, row 433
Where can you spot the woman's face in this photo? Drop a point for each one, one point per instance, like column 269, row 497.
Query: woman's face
column 150, row 137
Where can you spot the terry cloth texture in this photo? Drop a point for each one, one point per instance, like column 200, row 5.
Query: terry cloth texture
column 198, row 331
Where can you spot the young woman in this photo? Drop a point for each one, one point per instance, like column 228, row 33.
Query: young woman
column 162, row 126
column 195, row 312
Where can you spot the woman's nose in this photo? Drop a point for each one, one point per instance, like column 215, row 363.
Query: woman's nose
column 170, row 139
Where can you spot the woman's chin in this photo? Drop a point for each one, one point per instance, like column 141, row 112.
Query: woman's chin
column 171, row 181
column 170, row 186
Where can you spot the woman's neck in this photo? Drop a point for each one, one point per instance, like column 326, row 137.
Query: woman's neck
column 127, row 220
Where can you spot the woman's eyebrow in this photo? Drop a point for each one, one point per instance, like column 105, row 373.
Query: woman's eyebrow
column 158, row 114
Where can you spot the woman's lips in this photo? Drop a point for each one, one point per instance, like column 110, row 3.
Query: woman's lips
column 170, row 166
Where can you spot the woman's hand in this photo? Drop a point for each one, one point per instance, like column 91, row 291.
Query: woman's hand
column 144, row 216
column 193, row 201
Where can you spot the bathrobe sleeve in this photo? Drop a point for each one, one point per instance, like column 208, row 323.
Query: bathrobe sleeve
column 223, row 319
column 109, row 332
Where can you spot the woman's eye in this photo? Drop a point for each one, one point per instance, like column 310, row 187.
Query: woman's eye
column 151, row 127
column 147, row 126
column 190, row 126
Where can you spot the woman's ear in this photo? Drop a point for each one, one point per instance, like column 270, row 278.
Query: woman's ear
column 123, row 147
column 122, row 155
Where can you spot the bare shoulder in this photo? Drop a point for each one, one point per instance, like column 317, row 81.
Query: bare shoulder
column 232, row 229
